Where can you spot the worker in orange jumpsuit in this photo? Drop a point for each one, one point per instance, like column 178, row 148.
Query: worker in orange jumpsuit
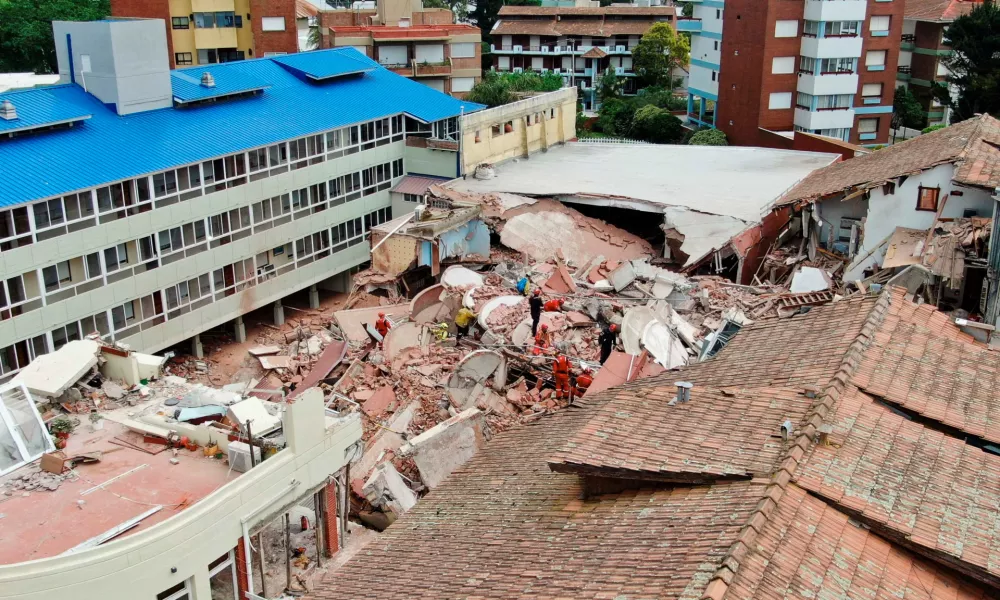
column 560, row 372
column 542, row 340
column 554, row 305
column 583, row 381
column 382, row 326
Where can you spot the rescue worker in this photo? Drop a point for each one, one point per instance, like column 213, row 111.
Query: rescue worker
column 382, row 326
column 542, row 340
column 560, row 372
column 583, row 381
column 535, row 305
column 554, row 305
column 463, row 320
column 607, row 341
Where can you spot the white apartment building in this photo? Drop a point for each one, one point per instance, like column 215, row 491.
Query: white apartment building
column 150, row 205
column 706, row 58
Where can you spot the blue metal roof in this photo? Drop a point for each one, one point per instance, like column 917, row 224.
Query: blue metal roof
column 321, row 65
column 187, row 85
column 108, row 147
column 39, row 109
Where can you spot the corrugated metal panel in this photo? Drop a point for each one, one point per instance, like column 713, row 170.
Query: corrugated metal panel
column 39, row 108
column 109, row 148
column 413, row 184
column 326, row 65
column 187, row 85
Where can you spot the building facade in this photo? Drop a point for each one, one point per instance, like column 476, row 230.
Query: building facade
column 250, row 182
column 578, row 42
column 815, row 66
column 201, row 32
column 922, row 52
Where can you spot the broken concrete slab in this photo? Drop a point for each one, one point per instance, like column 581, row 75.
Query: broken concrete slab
column 578, row 319
column 275, row 362
column 810, row 279
column 352, row 322
column 253, row 410
column 634, row 324
column 402, row 336
column 387, row 491
column 264, row 350
column 379, row 401
column 113, row 390
column 471, row 374
column 49, row 375
column 384, row 442
column 622, row 277
column 447, row 446
column 459, row 276
column 495, row 303
column 664, row 346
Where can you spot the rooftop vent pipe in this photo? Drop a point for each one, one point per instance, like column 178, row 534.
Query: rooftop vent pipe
column 7, row 111
column 786, row 430
column 683, row 391
column 207, row 80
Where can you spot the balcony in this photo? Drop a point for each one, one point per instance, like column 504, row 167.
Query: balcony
column 824, row 119
column 216, row 37
column 831, row 47
column 426, row 69
column 828, row 84
column 903, row 72
column 404, row 69
column 689, row 24
column 835, row 10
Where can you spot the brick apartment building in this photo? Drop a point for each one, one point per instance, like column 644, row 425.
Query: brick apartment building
column 580, row 42
column 200, row 33
column 424, row 44
column 818, row 66
column 923, row 49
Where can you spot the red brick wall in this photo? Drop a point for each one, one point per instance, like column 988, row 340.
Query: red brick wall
column 274, row 41
column 887, row 78
column 331, row 528
column 242, row 581
column 150, row 9
column 740, row 82
column 780, row 10
column 433, row 17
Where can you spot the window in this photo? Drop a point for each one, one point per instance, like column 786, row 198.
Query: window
column 842, row 28
column 834, row 102
column 875, row 60
column 810, row 28
column 879, row 25
column 225, row 19
column 115, row 257
column 868, row 126
column 222, row 577
column 927, row 198
column 415, row 198
column 803, row 100
column 181, row 591
column 448, row 129
column 204, row 20
column 462, row 84
column 716, row 45
column 183, row 58
column 714, row 75
column 780, row 100
column 93, row 264
column 463, row 50
column 871, row 90
column 785, row 29
column 807, row 64
column 49, row 214
column 782, row 65
column 56, row 275
column 837, row 66
column 273, row 23
column 180, row 22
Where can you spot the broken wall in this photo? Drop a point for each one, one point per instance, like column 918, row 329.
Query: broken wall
column 445, row 447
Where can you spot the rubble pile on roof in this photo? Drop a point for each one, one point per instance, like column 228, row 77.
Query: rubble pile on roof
column 812, row 473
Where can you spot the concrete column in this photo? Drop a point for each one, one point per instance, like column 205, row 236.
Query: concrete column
column 239, row 330
column 197, row 350
column 279, row 313
column 313, row 297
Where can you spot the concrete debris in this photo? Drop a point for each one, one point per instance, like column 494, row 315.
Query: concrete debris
column 447, row 446
column 387, row 491
column 810, row 279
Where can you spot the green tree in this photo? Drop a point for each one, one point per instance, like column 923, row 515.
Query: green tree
column 656, row 125
column 608, row 86
column 496, row 89
column 26, row 30
column 975, row 62
column 688, row 9
column 315, row 38
column 709, row 137
column 658, row 53
column 906, row 110
column 616, row 118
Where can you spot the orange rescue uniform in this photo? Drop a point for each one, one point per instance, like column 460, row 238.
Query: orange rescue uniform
column 560, row 372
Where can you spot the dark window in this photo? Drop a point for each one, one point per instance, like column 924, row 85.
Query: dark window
column 239, row 20
column 927, row 198
column 183, row 58
column 180, row 22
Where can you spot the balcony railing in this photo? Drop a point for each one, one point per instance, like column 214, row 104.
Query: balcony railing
column 908, row 37
column 425, row 69
column 904, row 69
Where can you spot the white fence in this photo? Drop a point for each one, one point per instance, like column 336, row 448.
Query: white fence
column 609, row 140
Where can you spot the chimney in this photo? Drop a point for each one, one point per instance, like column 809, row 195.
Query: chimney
column 7, row 111
column 683, row 391
column 207, row 80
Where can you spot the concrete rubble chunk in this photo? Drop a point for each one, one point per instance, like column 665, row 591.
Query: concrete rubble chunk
column 380, row 401
column 113, row 390
column 445, row 447
column 622, row 277
column 470, row 376
column 810, row 279
column 387, row 491
column 49, row 375
column 264, row 350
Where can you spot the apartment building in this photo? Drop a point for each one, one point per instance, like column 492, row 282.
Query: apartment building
column 203, row 32
column 409, row 40
column 826, row 67
column 922, row 52
column 150, row 205
column 580, row 42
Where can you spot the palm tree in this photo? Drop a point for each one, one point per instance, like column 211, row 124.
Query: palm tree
column 315, row 38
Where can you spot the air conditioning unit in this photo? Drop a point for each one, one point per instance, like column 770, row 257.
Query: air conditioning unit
column 619, row 48
column 518, row 70
column 557, row 70
column 239, row 456
column 619, row 70
column 545, row 49
column 518, row 48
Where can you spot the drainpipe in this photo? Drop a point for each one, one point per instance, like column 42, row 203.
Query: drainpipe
column 69, row 51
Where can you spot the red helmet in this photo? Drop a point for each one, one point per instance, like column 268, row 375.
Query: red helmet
column 381, row 315
column 545, row 327
column 588, row 370
column 537, row 292
column 561, row 302
column 613, row 327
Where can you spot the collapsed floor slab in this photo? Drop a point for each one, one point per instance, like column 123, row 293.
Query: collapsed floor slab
column 445, row 447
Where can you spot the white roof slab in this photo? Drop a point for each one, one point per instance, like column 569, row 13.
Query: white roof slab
column 49, row 375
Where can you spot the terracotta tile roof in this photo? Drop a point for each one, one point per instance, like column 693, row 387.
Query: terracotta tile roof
column 809, row 549
column 717, row 434
column 971, row 145
column 305, row 9
column 594, row 52
column 505, row 526
column 943, row 11
column 916, row 486
column 416, row 184
column 506, row 11
column 922, row 362
column 525, row 27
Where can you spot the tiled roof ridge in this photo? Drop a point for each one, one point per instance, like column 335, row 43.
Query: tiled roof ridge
column 718, row 586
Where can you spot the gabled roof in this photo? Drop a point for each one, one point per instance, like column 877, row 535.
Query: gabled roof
column 972, row 145
column 594, row 52
column 40, row 166
column 939, row 11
